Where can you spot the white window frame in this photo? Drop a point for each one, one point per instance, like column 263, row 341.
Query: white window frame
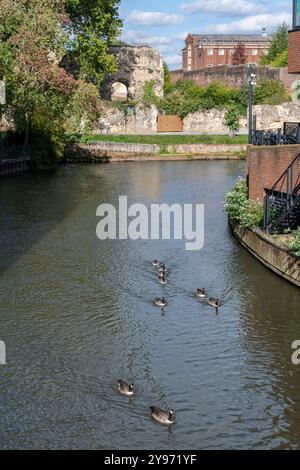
column 221, row 52
column 254, row 51
column 210, row 52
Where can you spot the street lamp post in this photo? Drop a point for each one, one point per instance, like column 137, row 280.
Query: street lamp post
column 251, row 82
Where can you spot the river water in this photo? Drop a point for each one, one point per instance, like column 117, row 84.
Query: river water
column 76, row 314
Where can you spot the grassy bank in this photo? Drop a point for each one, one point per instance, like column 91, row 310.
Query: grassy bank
column 162, row 139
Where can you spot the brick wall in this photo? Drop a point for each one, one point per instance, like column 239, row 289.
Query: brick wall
column 294, row 51
column 234, row 76
column 265, row 166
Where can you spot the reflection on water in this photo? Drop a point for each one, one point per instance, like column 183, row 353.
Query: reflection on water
column 76, row 315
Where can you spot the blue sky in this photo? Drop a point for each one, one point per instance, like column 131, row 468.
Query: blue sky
column 164, row 24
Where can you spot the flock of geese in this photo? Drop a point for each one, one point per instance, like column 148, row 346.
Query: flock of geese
column 159, row 415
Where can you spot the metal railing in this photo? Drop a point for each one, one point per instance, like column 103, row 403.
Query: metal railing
column 289, row 135
column 283, row 197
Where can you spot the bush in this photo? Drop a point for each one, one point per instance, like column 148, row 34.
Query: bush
column 239, row 207
column 149, row 96
column 232, row 118
column 187, row 97
column 294, row 244
column 270, row 92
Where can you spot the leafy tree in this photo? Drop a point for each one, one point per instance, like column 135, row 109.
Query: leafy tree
column 32, row 43
column 168, row 85
column 232, row 118
column 239, row 55
column 279, row 46
column 44, row 98
column 93, row 26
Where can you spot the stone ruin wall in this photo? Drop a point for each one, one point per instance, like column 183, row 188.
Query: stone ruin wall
column 137, row 65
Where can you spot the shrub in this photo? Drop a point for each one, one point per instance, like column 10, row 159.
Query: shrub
column 270, row 92
column 238, row 206
column 232, row 118
column 149, row 96
column 294, row 244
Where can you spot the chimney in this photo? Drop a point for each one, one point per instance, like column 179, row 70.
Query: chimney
column 264, row 32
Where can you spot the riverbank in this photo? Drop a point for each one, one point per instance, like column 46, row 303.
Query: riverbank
column 106, row 152
column 273, row 254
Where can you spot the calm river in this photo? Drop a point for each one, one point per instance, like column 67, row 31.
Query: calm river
column 76, row 314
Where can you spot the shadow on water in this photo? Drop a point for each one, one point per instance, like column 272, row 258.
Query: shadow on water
column 33, row 204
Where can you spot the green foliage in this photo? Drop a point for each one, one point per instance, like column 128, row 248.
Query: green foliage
column 281, row 60
column 149, row 96
column 294, row 244
column 83, row 110
column 279, row 47
column 93, row 26
column 270, row 92
column 36, row 36
column 232, row 118
column 239, row 207
column 168, row 85
column 188, row 97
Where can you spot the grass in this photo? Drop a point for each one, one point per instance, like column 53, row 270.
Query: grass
column 162, row 140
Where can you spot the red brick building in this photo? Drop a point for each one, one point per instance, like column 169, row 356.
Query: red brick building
column 294, row 40
column 210, row 50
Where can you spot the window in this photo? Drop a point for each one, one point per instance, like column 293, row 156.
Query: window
column 189, row 53
column 266, row 51
column 231, row 51
column 296, row 15
column 221, row 51
column 254, row 51
column 209, row 65
column 210, row 52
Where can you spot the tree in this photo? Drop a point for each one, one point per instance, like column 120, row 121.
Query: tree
column 278, row 52
column 232, row 118
column 94, row 26
column 239, row 56
column 168, row 85
column 43, row 96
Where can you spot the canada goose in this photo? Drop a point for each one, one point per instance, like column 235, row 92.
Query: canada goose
column 162, row 280
column 214, row 303
column 162, row 274
column 125, row 389
column 155, row 263
column 160, row 302
column 163, row 417
column 201, row 293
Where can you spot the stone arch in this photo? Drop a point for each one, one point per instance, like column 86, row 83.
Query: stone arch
column 119, row 91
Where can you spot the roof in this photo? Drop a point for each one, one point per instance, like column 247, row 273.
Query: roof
column 210, row 38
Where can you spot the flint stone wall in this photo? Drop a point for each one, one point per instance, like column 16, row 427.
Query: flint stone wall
column 137, row 65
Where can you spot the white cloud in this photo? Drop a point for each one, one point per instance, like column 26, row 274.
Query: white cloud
column 173, row 60
column 252, row 24
column 153, row 18
column 229, row 7
column 144, row 38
